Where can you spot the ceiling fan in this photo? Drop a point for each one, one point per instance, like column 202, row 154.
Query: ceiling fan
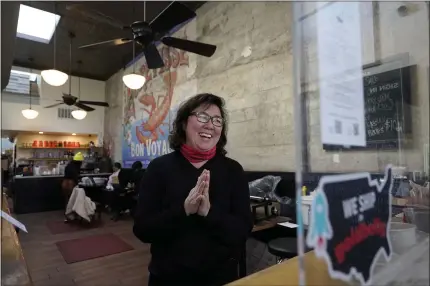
column 148, row 34
column 69, row 99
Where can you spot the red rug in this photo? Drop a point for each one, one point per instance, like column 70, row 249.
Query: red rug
column 90, row 247
column 57, row 227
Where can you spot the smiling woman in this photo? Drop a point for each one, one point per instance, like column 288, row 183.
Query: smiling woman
column 194, row 202
column 202, row 116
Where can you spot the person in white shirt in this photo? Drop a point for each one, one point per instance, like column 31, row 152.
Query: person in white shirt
column 114, row 176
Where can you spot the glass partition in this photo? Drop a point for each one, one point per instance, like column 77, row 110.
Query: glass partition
column 361, row 75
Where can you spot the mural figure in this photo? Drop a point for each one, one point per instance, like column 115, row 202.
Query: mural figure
column 148, row 111
column 158, row 112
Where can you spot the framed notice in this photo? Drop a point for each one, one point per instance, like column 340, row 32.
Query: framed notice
column 340, row 74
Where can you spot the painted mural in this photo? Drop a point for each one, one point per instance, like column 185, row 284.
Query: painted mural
column 148, row 112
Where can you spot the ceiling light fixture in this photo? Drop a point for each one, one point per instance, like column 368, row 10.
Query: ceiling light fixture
column 40, row 132
column 30, row 113
column 79, row 114
column 134, row 80
column 52, row 76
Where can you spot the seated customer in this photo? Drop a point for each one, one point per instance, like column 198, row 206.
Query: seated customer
column 138, row 172
column 114, row 177
column 71, row 177
column 121, row 198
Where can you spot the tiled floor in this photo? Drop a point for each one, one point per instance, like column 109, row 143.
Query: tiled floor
column 47, row 266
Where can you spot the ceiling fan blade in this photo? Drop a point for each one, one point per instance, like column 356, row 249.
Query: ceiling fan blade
column 203, row 49
column 109, row 43
column 84, row 107
column 98, row 103
column 54, row 105
column 94, row 15
column 152, row 56
column 173, row 15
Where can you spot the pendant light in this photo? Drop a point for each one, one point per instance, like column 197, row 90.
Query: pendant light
column 134, row 80
column 78, row 114
column 30, row 113
column 53, row 76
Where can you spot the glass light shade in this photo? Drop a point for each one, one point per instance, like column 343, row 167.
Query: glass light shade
column 134, row 81
column 54, row 77
column 79, row 114
column 29, row 113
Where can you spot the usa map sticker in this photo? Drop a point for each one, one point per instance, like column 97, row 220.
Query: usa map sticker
column 349, row 224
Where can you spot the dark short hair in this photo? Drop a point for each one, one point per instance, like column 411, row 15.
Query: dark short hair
column 137, row 165
column 177, row 135
column 117, row 165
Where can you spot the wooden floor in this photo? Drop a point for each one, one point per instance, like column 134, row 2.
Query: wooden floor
column 47, row 266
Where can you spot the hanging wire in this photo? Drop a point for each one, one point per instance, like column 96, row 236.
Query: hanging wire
column 70, row 64
column 134, row 43
column 79, row 81
column 134, row 56
column 29, row 79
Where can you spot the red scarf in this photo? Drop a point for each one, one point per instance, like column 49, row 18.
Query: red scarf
column 196, row 156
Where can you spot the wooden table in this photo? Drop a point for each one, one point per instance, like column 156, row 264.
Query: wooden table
column 14, row 270
column 269, row 223
column 287, row 273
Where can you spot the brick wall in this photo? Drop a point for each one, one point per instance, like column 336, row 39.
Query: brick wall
column 257, row 86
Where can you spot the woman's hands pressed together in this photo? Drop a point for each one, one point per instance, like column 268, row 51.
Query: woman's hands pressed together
column 198, row 198
column 205, row 204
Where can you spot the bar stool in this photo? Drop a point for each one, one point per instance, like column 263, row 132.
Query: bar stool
column 284, row 248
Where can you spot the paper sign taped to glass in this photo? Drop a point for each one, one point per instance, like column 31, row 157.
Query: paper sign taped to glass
column 13, row 221
column 349, row 224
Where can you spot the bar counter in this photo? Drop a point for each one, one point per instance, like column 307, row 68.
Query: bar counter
column 410, row 268
column 33, row 194
column 14, row 270
column 287, row 273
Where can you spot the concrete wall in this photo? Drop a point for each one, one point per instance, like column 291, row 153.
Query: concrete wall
column 252, row 70
column 113, row 115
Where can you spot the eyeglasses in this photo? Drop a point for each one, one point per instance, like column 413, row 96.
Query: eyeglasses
column 203, row 117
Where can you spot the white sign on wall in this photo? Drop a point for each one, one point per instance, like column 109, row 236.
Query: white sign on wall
column 340, row 74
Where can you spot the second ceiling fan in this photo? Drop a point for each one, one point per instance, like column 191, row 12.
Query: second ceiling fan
column 69, row 99
column 148, row 34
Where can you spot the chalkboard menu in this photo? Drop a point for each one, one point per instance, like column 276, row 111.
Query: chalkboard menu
column 387, row 102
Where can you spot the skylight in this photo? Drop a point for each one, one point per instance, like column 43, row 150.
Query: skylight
column 31, row 76
column 35, row 24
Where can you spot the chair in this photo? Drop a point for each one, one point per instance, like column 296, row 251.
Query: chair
column 284, row 248
column 122, row 200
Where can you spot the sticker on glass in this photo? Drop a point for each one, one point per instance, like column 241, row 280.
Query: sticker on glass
column 349, row 227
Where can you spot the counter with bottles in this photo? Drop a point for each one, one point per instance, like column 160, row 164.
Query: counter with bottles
column 41, row 193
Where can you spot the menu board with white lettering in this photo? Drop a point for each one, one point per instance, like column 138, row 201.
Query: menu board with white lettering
column 387, row 99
